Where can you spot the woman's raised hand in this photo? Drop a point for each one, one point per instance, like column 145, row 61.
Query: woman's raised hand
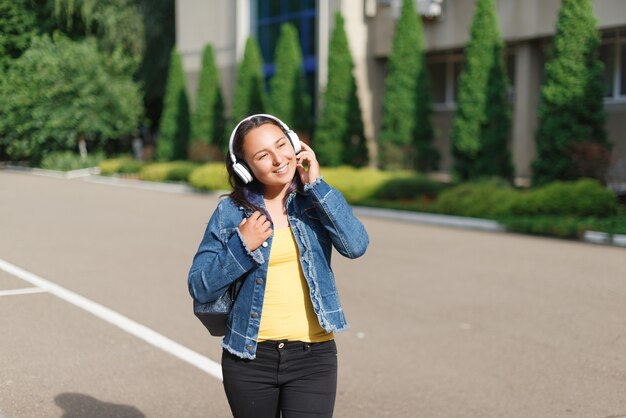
column 312, row 171
column 255, row 230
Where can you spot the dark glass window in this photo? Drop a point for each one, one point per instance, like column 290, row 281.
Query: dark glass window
column 437, row 73
column 607, row 56
column 623, row 71
column 271, row 14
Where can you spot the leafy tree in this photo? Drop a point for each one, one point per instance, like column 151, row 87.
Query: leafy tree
column 160, row 34
column 249, row 95
column 289, row 99
column 406, row 125
column 17, row 26
column 60, row 92
column 208, row 118
column 339, row 138
column 174, row 126
column 571, row 113
column 117, row 24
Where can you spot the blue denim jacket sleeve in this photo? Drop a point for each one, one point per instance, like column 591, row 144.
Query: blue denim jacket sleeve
column 222, row 258
column 347, row 233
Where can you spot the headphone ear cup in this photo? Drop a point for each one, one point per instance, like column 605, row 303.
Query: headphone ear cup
column 295, row 141
column 242, row 172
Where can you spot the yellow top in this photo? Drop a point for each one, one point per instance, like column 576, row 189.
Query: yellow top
column 287, row 309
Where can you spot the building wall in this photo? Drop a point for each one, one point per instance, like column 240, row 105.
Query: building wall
column 526, row 26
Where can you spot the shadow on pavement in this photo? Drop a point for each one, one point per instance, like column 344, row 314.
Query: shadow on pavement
column 76, row 405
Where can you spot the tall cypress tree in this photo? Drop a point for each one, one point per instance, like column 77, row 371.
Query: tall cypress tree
column 208, row 117
column 482, row 122
column 405, row 87
column 249, row 95
column 174, row 126
column 289, row 99
column 571, row 113
column 339, row 137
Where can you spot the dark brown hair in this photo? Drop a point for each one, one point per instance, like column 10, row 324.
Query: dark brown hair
column 242, row 191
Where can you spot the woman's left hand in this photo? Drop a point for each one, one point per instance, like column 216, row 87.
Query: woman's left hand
column 312, row 171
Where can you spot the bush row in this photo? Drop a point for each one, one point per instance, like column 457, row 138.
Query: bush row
column 564, row 209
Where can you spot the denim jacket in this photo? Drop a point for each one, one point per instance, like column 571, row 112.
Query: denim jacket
column 320, row 219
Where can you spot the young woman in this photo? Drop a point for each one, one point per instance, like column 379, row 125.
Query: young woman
column 275, row 232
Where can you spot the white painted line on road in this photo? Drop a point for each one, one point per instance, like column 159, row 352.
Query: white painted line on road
column 134, row 328
column 25, row 291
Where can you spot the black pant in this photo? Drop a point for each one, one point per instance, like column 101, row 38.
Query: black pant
column 296, row 378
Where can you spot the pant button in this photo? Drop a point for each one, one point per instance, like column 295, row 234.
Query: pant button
column 281, row 345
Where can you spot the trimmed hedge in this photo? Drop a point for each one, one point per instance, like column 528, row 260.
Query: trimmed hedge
column 409, row 188
column 211, row 176
column 122, row 165
column 496, row 199
column 582, row 198
column 564, row 227
column 358, row 184
column 172, row 171
column 491, row 198
column 560, row 209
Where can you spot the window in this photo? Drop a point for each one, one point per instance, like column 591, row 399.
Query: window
column 271, row 14
column 613, row 56
column 444, row 72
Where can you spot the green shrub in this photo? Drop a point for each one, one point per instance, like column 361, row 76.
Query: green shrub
column 68, row 160
column 172, row 171
column 122, row 165
column 490, row 198
column 547, row 225
column 582, row 198
column 211, row 176
column 356, row 184
column 407, row 188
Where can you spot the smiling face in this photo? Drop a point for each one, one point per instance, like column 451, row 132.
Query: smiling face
column 270, row 156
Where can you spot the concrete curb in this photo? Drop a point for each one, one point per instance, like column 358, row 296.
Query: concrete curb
column 431, row 219
column 72, row 174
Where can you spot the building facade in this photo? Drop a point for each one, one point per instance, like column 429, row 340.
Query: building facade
column 527, row 27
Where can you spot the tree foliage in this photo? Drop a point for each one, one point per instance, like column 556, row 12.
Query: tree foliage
column 482, row 122
column 60, row 91
column 160, row 34
column 208, row 117
column 17, row 26
column 249, row 95
column 571, row 113
column 174, row 126
column 117, row 24
column 339, row 137
column 289, row 99
column 406, row 124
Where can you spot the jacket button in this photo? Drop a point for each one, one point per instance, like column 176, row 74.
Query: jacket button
column 254, row 315
column 259, row 280
column 264, row 244
column 248, row 347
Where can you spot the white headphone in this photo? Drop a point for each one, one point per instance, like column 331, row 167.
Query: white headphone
column 240, row 169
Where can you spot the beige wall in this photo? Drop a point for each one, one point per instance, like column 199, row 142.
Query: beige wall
column 199, row 22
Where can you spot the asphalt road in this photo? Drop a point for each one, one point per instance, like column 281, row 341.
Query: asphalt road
column 444, row 322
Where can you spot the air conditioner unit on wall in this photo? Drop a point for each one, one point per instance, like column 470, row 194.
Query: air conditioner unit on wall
column 429, row 9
